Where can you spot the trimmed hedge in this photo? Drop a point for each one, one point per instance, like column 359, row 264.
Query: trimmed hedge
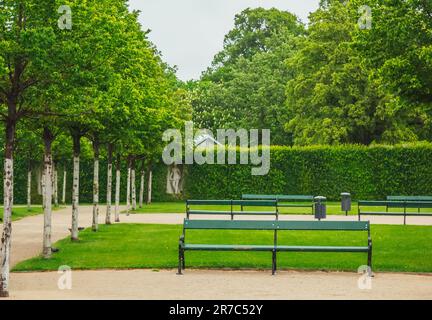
column 367, row 172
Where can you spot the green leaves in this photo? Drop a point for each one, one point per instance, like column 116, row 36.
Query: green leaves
column 245, row 88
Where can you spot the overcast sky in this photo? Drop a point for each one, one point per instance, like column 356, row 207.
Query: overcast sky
column 190, row 32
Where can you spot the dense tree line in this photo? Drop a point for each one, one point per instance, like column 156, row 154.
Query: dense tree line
column 74, row 77
column 329, row 82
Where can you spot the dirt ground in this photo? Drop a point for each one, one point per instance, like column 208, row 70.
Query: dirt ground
column 197, row 284
column 218, row 284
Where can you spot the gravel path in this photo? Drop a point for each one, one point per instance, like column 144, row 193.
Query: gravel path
column 218, row 284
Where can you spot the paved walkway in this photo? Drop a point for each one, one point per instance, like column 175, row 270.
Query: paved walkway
column 174, row 218
column 218, row 284
column 145, row 284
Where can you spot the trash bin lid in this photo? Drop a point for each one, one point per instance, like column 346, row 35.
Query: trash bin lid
column 320, row 198
column 345, row 194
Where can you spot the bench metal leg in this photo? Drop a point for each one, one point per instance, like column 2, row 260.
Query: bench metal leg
column 274, row 263
column 180, row 262
column 183, row 261
column 370, row 257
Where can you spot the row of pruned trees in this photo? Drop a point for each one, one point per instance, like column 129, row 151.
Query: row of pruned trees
column 93, row 74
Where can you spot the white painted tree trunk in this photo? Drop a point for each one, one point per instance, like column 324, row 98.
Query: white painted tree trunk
column 128, row 182
column 43, row 184
column 29, row 181
column 117, row 195
column 133, row 186
column 141, row 191
column 109, row 186
column 95, row 224
column 55, row 185
column 149, row 186
column 47, row 177
column 64, row 186
column 7, row 227
column 75, row 198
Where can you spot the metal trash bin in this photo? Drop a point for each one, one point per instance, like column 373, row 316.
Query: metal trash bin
column 346, row 202
column 320, row 207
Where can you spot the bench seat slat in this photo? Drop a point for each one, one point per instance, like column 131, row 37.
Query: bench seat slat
column 321, row 249
column 216, row 247
column 396, row 214
column 288, row 205
column 209, row 212
column 373, row 213
column 396, row 204
column 255, row 213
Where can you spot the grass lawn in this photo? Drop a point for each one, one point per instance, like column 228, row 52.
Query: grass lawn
column 396, row 248
column 333, row 208
column 22, row 212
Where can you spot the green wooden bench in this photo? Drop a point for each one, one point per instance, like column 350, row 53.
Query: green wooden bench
column 231, row 203
column 409, row 198
column 274, row 246
column 405, row 205
column 285, row 200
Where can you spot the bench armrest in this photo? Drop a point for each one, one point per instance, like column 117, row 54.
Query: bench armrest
column 181, row 241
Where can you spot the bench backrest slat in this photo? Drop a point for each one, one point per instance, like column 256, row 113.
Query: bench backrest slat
column 209, row 202
column 276, row 225
column 418, row 204
column 229, row 225
column 409, row 198
column 324, row 225
column 255, row 203
column 249, row 203
column 280, row 197
column 396, row 204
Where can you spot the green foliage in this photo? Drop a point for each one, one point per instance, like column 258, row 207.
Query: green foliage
column 366, row 172
column 332, row 83
column 245, row 88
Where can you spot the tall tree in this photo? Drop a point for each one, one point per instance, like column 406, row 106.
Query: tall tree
column 245, row 87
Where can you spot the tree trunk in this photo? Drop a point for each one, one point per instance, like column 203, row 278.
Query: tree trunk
column 95, row 224
column 43, row 181
column 55, row 184
column 128, row 182
column 133, row 185
column 7, row 208
column 141, row 191
column 149, row 184
column 109, row 185
column 29, row 181
column 64, row 185
column 117, row 190
column 75, row 186
column 48, row 138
